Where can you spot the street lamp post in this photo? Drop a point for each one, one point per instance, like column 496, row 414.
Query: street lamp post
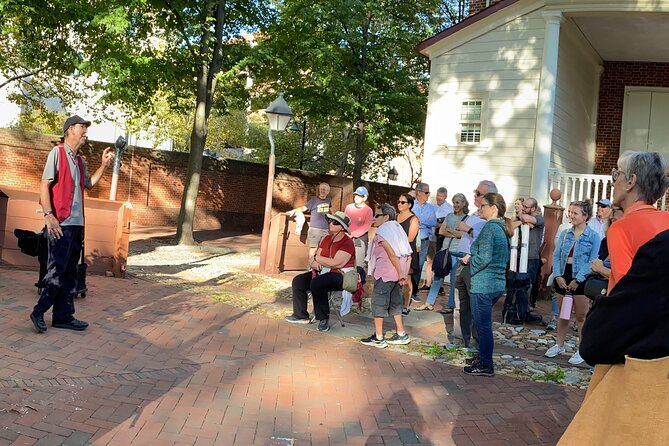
column 392, row 176
column 278, row 115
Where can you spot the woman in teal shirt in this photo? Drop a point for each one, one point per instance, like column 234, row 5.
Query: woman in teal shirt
column 488, row 261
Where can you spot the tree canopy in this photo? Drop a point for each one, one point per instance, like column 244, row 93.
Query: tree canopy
column 347, row 67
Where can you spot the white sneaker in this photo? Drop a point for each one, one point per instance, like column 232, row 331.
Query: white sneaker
column 554, row 351
column 576, row 359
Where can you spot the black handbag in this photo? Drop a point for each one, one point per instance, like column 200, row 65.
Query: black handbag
column 595, row 286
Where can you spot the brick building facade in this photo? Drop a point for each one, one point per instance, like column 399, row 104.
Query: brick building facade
column 232, row 193
column 615, row 77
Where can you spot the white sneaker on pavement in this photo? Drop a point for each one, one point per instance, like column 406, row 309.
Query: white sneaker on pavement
column 554, row 351
column 576, row 359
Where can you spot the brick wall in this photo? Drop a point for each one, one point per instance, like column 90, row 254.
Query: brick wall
column 617, row 76
column 479, row 5
column 232, row 193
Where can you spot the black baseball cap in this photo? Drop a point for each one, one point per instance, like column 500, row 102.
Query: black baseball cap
column 73, row 120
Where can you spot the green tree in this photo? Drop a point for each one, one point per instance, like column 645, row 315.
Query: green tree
column 183, row 48
column 352, row 62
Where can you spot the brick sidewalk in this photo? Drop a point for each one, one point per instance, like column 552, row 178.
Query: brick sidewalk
column 161, row 365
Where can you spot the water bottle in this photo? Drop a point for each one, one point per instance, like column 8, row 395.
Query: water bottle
column 565, row 311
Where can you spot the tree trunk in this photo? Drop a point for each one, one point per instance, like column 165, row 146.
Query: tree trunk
column 359, row 147
column 206, row 86
column 198, row 138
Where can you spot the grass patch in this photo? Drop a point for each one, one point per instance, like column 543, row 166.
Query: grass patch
column 555, row 376
column 447, row 353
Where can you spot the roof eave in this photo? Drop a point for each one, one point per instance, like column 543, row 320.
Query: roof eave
column 490, row 10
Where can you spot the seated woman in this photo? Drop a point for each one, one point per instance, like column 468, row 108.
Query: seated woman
column 335, row 256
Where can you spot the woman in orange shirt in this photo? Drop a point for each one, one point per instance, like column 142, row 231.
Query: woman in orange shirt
column 638, row 182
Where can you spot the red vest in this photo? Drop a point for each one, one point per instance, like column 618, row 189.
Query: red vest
column 62, row 192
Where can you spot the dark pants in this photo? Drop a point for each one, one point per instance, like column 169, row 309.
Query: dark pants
column 60, row 282
column 463, row 324
column 319, row 286
column 517, row 304
column 482, row 304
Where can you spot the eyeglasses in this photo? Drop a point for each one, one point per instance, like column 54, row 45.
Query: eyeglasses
column 615, row 173
column 402, row 202
column 334, row 222
column 477, row 193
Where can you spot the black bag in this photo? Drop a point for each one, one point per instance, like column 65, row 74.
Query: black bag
column 441, row 264
column 595, row 286
column 29, row 241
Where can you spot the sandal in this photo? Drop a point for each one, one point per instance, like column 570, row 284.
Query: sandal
column 424, row 307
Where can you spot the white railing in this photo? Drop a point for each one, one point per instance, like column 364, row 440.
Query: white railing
column 579, row 186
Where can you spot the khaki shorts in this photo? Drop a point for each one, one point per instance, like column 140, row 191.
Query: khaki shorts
column 314, row 237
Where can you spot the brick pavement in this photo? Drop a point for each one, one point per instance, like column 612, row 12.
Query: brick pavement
column 161, row 365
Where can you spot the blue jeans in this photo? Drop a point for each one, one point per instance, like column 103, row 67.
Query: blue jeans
column 434, row 290
column 60, row 282
column 482, row 304
column 438, row 281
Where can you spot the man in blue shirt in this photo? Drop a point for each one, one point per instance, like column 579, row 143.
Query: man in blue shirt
column 427, row 219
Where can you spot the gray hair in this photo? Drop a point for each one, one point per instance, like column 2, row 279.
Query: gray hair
column 650, row 170
column 460, row 196
column 443, row 190
column 491, row 186
column 421, row 186
column 389, row 210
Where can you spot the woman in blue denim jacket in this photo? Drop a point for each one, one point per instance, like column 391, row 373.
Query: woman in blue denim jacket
column 575, row 250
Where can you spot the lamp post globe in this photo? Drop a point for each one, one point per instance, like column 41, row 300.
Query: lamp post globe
column 278, row 114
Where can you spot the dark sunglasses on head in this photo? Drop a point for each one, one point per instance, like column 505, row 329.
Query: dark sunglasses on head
column 402, row 202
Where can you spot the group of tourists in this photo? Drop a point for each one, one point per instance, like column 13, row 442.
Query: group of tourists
column 487, row 254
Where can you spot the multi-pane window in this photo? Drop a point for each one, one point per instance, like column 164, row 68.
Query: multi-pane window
column 470, row 122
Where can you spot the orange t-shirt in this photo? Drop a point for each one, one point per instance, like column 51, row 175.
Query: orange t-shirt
column 640, row 223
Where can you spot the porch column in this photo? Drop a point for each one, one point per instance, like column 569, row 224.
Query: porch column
column 543, row 134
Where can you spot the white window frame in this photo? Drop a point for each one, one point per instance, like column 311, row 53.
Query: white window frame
column 481, row 97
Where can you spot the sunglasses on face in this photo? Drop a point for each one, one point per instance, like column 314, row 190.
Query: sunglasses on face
column 477, row 193
column 426, row 192
column 378, row 215
column 334, row 222
column 402, row 202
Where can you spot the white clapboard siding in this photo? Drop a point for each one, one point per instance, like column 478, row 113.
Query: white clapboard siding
column 573, row 144
column 502, row 67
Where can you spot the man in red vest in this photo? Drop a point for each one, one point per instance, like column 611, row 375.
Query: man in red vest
column 62, row 199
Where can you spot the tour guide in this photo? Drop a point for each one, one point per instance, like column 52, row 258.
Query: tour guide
column 62, row 199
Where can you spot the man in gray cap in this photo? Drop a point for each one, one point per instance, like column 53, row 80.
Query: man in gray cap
column 62, row 198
